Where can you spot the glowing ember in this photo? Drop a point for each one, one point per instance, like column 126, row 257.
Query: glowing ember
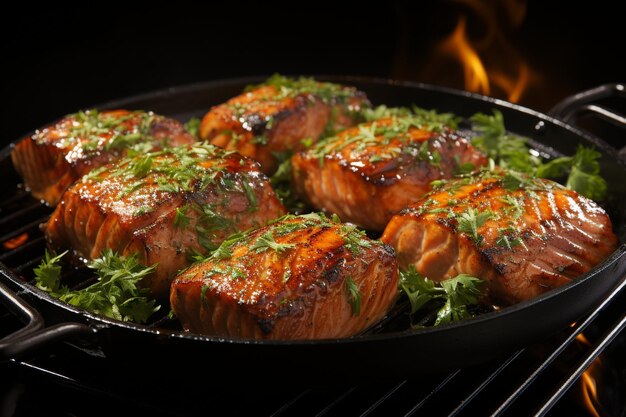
column 15, row 242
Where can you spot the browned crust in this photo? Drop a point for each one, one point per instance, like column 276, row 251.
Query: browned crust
column 92, row 217
column 49, row 162
column 312, row 303
column 561, row 235
column 369, row 193
column 239, row 123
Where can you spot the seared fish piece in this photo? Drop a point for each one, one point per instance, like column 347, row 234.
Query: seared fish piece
column 523, row 236
column 164, row 206
column 368, row 173
column 281, row 116
column 302, row 277
column 55, row 157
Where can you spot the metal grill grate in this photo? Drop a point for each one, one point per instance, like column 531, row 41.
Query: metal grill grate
column 511, row 386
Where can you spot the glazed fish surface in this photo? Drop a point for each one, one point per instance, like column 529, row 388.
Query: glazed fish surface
column 55, row 157
column 524, row 236
column 368, row 173
column 164, row 206
column 302, row 277
column 281, row 116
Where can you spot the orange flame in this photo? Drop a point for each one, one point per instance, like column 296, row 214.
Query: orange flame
column 590, row 393
column 457, row 46
column 507, row 74
column 588, row 382
column 15, row 242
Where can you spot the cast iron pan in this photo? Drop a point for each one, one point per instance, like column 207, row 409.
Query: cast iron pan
column 391, row 353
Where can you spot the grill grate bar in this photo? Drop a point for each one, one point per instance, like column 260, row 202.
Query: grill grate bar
column 33, row 242
column 336, row 401
column 553, row 356
column 424, row 400
column 289, row 403
column 29, row 226
column 28, row 265
column 17, row 197
column 490, row 378
column 609, row 336
column 386, row 396
column 22, row 212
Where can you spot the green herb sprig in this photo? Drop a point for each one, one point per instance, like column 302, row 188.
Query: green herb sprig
column 452, row 297
column 116, row 293
column 580, row 171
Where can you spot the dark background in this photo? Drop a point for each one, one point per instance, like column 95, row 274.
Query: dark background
column 57, row 59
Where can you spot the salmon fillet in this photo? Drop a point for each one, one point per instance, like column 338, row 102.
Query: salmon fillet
column 522, row 236
column 53, row 158
column 281, row 116
column 302, row 277
column 368, row 173
column 165, row 206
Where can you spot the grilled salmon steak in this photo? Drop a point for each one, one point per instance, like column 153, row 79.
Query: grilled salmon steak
column 302, row 277
column 164, row 206
column 368, row 173
column 55, row 157
column 522, row 236
column 281, row 116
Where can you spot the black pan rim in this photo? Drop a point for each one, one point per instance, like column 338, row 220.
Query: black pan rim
column 97, row 320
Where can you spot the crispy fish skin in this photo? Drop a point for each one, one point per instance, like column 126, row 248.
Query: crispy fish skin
column 368, row 173
column 54, row 158
column 296, row 287
column 278, row 117
column 523, row 241
column 164, row 206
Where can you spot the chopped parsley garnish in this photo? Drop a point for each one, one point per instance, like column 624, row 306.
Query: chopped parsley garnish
column 448, row 300
column 508, row 238
column 374, row 140
column 291, row 87
column 266, row 241
column 354, row 296
column 470, row 220
column 116, row 293
column 200, row 169
column 181, row 219
column 434, row 120
column 354, row 238
column 95, row 130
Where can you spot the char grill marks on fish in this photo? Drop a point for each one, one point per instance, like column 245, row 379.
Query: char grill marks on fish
column 302, row 277
column 166, row 206
column 523, row 236
column 55, row 157
column 281, row 116
column 368, row 173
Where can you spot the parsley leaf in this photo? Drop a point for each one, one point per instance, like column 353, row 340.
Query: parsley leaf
column 583, row 171
column 507, row 150
column 48, row 273
column 114, row 295
column 461, row 291
column 456, row 294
